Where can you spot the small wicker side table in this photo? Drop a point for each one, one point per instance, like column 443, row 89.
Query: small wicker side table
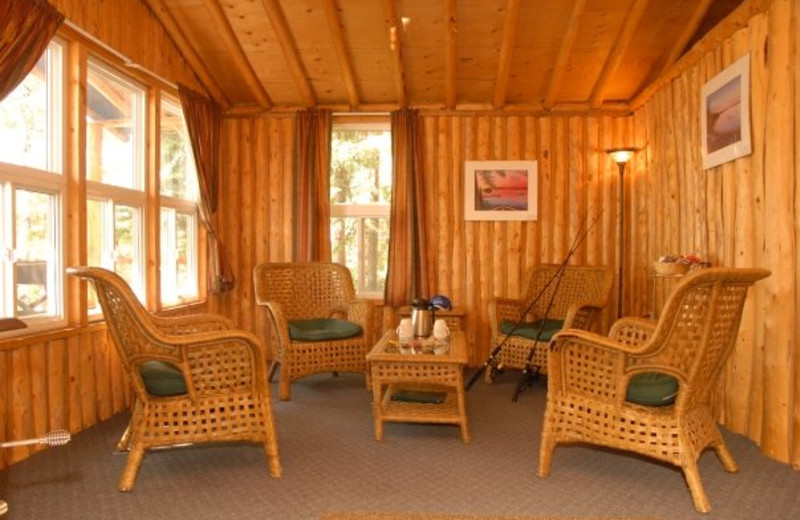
column 392, row 372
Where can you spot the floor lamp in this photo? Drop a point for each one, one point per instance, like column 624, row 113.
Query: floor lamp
column 621, row 156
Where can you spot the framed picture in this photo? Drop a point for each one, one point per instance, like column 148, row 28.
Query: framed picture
column 500, row 190
column 725, row 114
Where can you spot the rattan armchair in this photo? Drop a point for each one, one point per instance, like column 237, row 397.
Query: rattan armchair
column 195, row 380
column 294, row 293
column 579, row 298
column 591, row 378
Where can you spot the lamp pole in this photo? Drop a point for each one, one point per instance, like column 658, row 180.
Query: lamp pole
column 621, row 156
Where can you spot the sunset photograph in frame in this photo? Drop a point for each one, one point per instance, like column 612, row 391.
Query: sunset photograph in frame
column 500, row 190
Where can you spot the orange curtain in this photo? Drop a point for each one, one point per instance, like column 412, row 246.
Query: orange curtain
column 312, row 212
column 203, row 121
column 407, row 278
column 26, row 27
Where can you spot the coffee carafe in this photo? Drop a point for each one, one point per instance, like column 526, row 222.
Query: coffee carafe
column 422, row 317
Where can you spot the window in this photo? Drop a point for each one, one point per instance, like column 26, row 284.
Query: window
column 115, row 175
column 31, row 194
column 361, row 187
column 179, row 213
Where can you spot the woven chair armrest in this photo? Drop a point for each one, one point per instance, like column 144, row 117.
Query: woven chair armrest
column 501, row 309
column 360, row 311
column 587, row 363
column 191, row 323
column 201, row 358
column 279, row 322
column 632, row 331
column 581, row 315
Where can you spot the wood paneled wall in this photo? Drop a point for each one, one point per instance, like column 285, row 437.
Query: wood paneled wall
column 69, row 380
column 471, row 262
column 742, row 213
column 145, row 42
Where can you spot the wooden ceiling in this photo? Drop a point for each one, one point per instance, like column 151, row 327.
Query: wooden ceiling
column 369, row 55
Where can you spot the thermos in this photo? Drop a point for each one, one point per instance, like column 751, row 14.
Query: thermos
column 422, row 317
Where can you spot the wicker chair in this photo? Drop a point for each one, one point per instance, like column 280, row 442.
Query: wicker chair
column 580, row 297
column 194, row 379
column 592, row 379
column 294, row 293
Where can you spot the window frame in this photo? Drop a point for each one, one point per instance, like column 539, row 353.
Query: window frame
column 51, row 182
column 185, row 206
column 365, row 122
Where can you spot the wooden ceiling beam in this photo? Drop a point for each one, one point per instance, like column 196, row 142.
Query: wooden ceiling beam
column 617, row 52
column 506, row 52
column 451, row 54
column 335, row 25
column 395, row 29
column 688, row 32
column 190, row 55
column 240, row 61
column 735, row 21
column 290, row 52
column 564, row 52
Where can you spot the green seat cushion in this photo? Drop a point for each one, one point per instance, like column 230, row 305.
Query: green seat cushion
column 323, row 329
column 162, row 379
column 531, row 329
column 652, row 389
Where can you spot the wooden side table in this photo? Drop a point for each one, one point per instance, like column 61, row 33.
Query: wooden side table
column 393, row 371
column 454, row 318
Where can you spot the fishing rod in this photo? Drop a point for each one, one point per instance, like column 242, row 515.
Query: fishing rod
column 492, row 362
column 531, row 372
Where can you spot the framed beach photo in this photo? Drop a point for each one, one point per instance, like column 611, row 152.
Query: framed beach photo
column 725, row 114
column 500, row 190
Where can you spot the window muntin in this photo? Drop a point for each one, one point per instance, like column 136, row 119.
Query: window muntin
column 114, row 129
column 360, row 195
column 179, row 209
column 31, row 195
column 115, row 135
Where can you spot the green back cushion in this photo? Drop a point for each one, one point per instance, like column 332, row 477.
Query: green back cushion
column 652, row 389
column 323, row 329
column 162, row 379
column 531, row 329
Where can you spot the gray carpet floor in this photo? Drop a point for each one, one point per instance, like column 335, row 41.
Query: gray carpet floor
column 333, row 464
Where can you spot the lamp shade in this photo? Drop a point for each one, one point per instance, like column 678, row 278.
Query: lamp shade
column 621, row 155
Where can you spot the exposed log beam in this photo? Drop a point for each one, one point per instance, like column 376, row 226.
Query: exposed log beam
column 290, row 52
column 617, row 52
column 188, row 52
column 240, row 61
column 396, row 45
column 694, row 22
column 506, row 52
column 332, row 15
column 565, row 52
column 738, row 19
column 451, row 54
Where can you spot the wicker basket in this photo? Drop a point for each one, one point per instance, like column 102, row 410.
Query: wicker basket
column 670, row 268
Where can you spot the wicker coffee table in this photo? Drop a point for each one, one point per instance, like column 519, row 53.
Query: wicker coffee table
column 421, row 387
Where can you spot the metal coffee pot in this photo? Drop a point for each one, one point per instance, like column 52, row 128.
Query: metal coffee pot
column 422, row 317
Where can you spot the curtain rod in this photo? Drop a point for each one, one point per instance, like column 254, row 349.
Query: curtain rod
column 127, row 62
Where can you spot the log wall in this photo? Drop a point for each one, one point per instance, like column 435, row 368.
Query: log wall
column 741, row 213
column 472, row 262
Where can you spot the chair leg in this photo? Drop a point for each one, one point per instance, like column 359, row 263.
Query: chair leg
column 699, row 497
column 273, row 366
column 725, row 456
column 131, row 467
column 546, row 448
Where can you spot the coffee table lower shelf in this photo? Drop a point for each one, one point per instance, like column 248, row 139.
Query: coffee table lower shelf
column 445, row 412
